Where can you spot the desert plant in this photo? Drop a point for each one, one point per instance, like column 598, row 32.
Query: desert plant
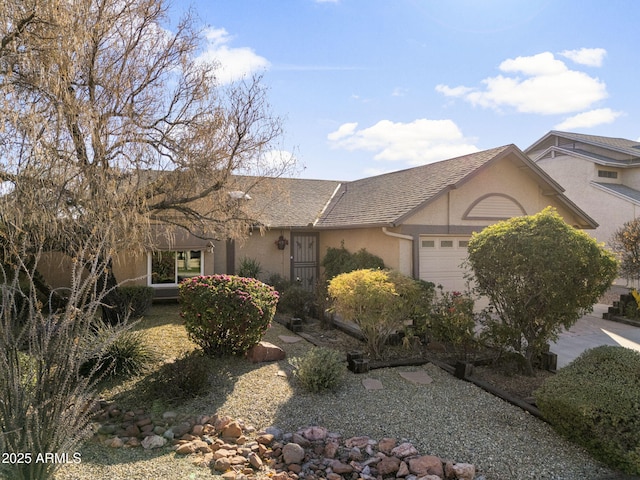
column 125, row 353
column 137, row 299
column 249, row 267
column 226, row 314
column 45, row 404
column 594, row 402
column 187, row 377
column 319, row 369
column 378, row 301
column 540, row 276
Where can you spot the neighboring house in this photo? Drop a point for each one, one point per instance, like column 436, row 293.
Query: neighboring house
column 418, row 220
column 601, row 174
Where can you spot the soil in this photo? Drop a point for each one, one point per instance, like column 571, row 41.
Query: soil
column 500, row 373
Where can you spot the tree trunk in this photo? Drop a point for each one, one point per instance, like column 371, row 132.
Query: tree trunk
column 529, row 352
column 113, row 307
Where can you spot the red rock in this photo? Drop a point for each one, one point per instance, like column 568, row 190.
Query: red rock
column 232, row 430
column 265, row 438
column 265, row 352
column 386, row 445
column 404, row 450
column 315, row 433
column 331, row 449
column 403, row 470
column 338, row 467
column 186, row 449
column 464, row 471
column 426, row 465
column 388, row 466
column 222, row 464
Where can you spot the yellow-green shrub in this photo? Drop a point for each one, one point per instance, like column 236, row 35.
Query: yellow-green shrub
column 378, row 301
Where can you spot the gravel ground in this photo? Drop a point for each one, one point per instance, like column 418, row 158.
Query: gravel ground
column 449, row 418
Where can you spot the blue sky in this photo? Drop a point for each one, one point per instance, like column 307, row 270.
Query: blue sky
column 371, row 86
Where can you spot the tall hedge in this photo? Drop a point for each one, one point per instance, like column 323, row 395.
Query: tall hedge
column 226, row 314
column 595, row 402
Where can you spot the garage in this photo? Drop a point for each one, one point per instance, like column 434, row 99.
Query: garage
column 440, row 258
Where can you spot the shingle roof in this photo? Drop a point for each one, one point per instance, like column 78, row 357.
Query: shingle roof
column 613, row 144
column 288, row 202
column 630, row 193
column 386, row 199
column 630, row 147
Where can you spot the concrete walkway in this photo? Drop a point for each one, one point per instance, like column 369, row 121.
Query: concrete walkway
column 592, row 331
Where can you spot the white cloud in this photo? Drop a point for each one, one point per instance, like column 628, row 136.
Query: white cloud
column 399, row 92
column 234, row 63
column 588, row 119
column 453, row 92
column 592, row 57
column 419, row 142
column 537, row 84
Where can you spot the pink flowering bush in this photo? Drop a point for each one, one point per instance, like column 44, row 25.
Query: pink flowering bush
column 226, row 314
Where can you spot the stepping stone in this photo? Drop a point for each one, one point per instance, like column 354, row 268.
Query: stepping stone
column 372, row 384
column 419, row 378
column 289, row 339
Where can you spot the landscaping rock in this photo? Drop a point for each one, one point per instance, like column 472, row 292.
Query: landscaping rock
column 153, row 441
column 265, row 352
column 293, row 453
column 236, row 451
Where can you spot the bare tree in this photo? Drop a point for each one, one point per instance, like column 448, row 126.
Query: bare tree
column 107, row 117
column 109, row 124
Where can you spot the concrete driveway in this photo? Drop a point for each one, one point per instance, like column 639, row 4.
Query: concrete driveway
column 592, row 331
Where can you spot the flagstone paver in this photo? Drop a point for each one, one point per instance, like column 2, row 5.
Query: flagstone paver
column 289, row 338
column 372, row 384
column 419, row 377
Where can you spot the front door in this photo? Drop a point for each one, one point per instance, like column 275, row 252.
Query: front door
column 304, row 259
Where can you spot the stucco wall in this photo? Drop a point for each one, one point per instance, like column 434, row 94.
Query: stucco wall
column 132, row 267
column 395, row 252
column 261, row 247
column 576, row 175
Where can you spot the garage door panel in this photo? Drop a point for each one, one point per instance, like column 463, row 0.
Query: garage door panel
column 441, row 259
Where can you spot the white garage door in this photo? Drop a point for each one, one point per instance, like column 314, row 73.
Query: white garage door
column 440, row 260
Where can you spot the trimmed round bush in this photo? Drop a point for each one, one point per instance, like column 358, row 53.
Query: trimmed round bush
column 226, row 314
column 595, row 402
column 319, row 369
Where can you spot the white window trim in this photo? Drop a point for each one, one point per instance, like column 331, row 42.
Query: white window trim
column 170, row 285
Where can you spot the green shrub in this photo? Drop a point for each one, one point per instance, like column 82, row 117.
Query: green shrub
column 226, row 314
column 249, row 268
column 319, row 369
column 137, row 298
column 595, row 402
column 185, row 378
column 340, row 260
column 452, row 320
column 296, row 300
column 126, row 353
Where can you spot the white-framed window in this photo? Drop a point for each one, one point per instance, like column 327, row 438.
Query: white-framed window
column 169, row 267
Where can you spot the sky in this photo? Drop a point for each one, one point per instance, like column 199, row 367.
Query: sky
column 366, row 87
